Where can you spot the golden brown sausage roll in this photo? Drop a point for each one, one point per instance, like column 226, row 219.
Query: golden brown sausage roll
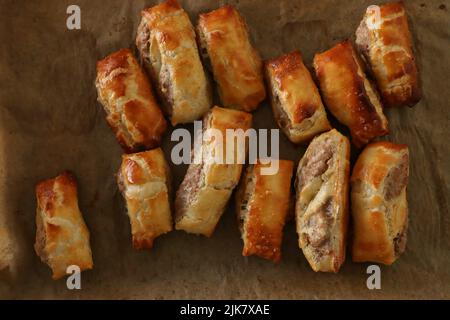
column 384, row 39
column 322, row 201
column 262, row 204
column 348, row 93
column 62, row 238
column 166, row 41
column 379, row 204
column 295, row 99
column 144, row 180
column 125, row 93
column 235, row 63
column 7, row 247
column 210, row 178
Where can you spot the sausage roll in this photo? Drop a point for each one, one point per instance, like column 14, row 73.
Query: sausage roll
column 235, row 63
column 211, row 178
column 168, row 49
column 262, row 204
column 126, row 95
column 322, row 201
column 295, row 99
column 144, row 181
column 348, row 93
column 384, row 39
column 62, row 238
column 379, row 204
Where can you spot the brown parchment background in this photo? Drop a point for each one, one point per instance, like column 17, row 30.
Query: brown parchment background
column 50, row 121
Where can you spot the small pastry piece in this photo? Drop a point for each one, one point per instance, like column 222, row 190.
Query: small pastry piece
column 379, row 204
column 348, row 94
column 168, row 49
column 384, row 39
column 144, row 180
column 62, row 238
column 322, row 201
column 262, row 204
column 125, row 93
column 295, row 99
column 235, row 63
column 211, row 178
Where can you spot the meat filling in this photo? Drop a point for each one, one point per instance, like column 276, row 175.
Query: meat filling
column 400, row 241
column 318, row 226
column 142, row 42
column 188, row 189
column 249, row 190
column 317, row 162
column 396, row 180
column 362, row 38
column 192, row 182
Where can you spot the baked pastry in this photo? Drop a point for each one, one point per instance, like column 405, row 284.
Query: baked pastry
column 168, row 49
column 384, row 39
column 131, row 110
column 321, row 209
column 210, row 178
column 62, row 238
column 144, row 180
column 295, row 99
column 235, row 63
column 262, row 204
column 379, row 204
column 349, row 94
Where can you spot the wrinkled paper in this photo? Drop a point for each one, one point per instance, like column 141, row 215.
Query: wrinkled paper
column 50, row 121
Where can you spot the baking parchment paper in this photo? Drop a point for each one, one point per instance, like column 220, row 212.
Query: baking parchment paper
column 50, row 121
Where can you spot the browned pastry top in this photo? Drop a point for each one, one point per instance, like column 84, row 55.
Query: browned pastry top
column 126, row 95
column 348, row 93
column 237, row 66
